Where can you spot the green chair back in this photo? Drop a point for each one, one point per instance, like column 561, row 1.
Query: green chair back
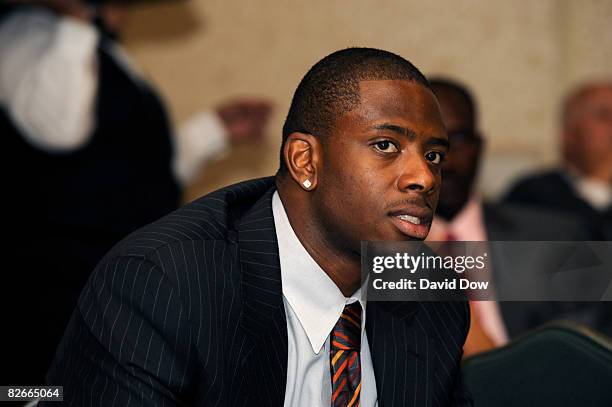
column 556, row 365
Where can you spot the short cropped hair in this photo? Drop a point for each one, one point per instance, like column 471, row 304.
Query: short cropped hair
column 331, row 88
column 460, row 90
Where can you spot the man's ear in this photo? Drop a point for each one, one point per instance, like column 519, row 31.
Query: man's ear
column 302, row 154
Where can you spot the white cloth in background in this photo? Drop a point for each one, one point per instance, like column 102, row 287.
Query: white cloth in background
column 48, row 85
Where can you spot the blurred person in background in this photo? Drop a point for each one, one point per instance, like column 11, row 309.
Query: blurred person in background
column 582, row 186
column 92, row 159
column 462, row 215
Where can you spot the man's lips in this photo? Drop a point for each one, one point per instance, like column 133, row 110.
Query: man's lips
column 413, row 222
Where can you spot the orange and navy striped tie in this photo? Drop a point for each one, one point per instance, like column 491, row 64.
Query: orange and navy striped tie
column 344, row 357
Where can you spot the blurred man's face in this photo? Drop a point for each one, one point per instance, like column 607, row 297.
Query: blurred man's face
column 587, row 134
column 461, row 164
column 115, row 16
column 380, row 173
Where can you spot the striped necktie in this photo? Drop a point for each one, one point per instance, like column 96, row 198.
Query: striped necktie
column 344, row 358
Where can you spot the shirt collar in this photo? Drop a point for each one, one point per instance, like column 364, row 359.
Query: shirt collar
column 468, row 225
column 597, row 193
column 313, row 296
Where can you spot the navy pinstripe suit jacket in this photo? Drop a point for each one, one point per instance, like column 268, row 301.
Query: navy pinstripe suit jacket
column 189, row 311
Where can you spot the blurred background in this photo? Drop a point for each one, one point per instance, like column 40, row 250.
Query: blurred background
column 519, row 59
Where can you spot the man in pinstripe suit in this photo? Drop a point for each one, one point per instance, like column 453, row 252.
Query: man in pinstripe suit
column 251, row 295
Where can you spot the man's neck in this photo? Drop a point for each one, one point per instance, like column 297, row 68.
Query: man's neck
column 342, row 267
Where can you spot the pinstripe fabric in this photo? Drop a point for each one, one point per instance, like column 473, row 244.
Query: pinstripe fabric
column 189, row 311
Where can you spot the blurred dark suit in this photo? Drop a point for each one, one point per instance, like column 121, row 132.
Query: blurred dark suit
column 552, row 190
column 523, row 223
column 515, row 222
column 65, row 210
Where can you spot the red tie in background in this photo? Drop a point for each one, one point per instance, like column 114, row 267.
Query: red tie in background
column 344, row 358
column 450, row 237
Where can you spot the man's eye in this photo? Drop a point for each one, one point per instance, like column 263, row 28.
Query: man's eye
column 386, row 146
column 434, row 157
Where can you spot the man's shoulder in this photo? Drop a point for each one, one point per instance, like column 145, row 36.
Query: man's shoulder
column 539, row 183
column 541, row 176
column 520, row 221
column 213, row 217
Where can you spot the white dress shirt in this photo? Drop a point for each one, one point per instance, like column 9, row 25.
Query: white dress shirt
column 313, row 305
column 49, row 81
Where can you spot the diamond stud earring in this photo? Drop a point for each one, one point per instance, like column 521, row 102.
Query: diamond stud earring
column 307, row 184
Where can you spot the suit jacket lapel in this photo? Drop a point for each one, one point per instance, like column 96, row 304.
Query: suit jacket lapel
column 263, row 320
column 401, row 354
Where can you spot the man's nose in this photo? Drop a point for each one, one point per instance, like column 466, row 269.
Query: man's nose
column 417, row 175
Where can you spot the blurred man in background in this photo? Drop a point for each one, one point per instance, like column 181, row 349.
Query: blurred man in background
column 92, row 160
column 583, row 184
column 462, row 215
